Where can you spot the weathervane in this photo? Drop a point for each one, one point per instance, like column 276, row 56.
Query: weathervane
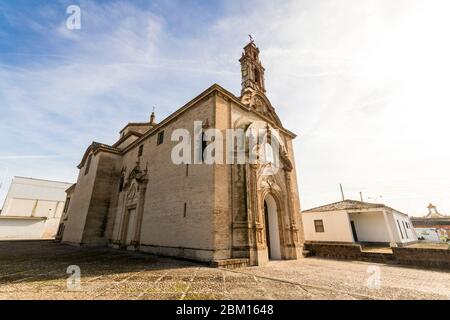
column 251, row 38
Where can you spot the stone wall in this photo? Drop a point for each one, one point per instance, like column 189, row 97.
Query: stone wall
column 435, row 258
column 178, row 214
column 104, row 185
column 430, row 258
column 335, row 251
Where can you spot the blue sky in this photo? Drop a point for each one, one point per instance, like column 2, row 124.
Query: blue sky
column 364, row 84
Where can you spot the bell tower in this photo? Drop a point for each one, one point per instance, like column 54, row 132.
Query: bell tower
column 251, row 69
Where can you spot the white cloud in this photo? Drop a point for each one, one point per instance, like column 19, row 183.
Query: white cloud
column 363, row 84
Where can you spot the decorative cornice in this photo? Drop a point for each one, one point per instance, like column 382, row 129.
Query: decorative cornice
column 95, row 148
column 126, row 136
column 136, row 124
column 71, row 188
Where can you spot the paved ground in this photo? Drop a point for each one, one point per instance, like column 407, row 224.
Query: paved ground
column 37, row 270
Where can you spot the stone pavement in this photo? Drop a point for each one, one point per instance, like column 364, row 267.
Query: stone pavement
column 38, row 270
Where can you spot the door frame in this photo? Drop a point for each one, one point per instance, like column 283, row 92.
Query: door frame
column 275, row 215
column 355, row 234
column 125, row 223
column 266, row 227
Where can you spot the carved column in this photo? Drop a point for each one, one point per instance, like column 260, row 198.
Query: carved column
column 293, row 245
column 240, row 222
column 258, row 248
column 140, row 212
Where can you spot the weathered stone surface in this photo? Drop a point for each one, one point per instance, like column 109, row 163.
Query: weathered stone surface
column 134, row 196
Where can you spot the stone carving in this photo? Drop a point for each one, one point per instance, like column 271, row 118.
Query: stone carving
column 258, row 102
column 136, row 174
column 287, row 164
column 132, row 193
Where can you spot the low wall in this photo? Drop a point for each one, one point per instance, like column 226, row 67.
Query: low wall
column 21, row 229
column 335, row 251
column 435, row 258
column 430, row 258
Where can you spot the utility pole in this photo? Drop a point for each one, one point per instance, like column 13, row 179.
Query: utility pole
column 342, row 192
column 360, row 195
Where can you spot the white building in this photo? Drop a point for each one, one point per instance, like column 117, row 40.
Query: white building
column 32, row 209
column 351, row 221
column 434, row 227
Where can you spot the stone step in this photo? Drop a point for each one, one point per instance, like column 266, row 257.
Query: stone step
column 231, row 263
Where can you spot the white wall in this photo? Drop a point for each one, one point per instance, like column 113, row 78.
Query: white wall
column 336, row 226
column 30, row 188
column 401, row 218
column 29, row 197
column 34, row 197
column 21, row 229
column 370, row 226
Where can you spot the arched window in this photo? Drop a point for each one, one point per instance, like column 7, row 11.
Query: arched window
column 257, row 77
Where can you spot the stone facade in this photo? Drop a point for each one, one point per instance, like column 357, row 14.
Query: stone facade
column 131, row 195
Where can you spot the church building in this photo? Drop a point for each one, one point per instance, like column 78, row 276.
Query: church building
column 131, row 195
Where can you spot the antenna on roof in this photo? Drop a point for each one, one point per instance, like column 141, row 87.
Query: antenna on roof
column 375, row 199
column 342, row 192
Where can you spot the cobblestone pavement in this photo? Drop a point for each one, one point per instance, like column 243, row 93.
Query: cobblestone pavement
column 38, row 270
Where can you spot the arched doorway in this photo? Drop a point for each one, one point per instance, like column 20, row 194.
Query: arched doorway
column 272, row 228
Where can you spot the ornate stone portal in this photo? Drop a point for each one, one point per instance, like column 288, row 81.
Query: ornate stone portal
column 134, row 189
column 250, row 230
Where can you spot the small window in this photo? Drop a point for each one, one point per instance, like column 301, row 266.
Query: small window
column 257, row 77
column 160, row 138
column 66, row 205
column 185, row 210
column 404, row 228
column 318, row 224
column 187, row 170
column 400, row 228
column 141, row 150
column 88, row 164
